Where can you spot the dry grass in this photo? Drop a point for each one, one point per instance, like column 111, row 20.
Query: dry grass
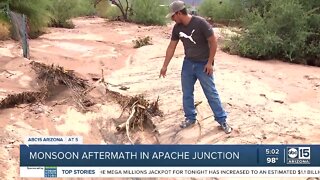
column 142, row 42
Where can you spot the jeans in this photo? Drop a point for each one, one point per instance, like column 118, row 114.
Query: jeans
column 191, row 72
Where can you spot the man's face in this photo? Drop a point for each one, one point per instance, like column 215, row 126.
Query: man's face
column 176, row 17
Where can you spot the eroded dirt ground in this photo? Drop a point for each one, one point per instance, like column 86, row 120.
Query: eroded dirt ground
column 269, row 102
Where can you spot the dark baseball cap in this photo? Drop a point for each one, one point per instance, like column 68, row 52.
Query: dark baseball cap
column 174, row 7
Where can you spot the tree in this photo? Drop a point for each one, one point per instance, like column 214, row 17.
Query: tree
column 125, row 10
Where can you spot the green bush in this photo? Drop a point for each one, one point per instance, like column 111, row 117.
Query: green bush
column 149, row 12
column 63, row 10
column 101, row 9
column 85, row 8
column 37, row 13
column 282, row 29
column 104, row 9
column 258, row 42
column 113, row 12
column 289, row 21
column 220, row 11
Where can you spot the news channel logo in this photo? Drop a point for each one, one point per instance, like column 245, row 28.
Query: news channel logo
column 50, row 171
column 298, row 155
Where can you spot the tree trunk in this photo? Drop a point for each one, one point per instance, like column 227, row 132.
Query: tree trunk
column 124, row 12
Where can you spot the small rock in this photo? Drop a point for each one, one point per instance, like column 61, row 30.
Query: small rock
column 264, row 137
column 95, row 78
column 38, row 111
column 279, row 101
column 263, row 95
column 124, row 88
column 310, row 77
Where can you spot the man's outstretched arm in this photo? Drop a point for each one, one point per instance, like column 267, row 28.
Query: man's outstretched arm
column 169, row 54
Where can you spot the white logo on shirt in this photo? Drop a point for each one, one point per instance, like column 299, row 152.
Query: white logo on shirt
column 182, row 34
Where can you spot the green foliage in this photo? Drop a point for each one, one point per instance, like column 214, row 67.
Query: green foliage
column 101, row 9
column 84, row 8
column 258, row 42
column 222, row 11
column 287, row 30
column 36, row 11
column 113, row 12
column 63, row 10
column 107, row 10
column 149, row 12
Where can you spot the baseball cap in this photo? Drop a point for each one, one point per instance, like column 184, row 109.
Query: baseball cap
column 174, row 7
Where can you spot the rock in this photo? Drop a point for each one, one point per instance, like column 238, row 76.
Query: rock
column 95, row 78
column 279, row 101
column 124, row 88
column 38, row 110
column 263, row 95
column 310, row 77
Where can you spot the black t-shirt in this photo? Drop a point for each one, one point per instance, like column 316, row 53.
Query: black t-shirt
column 194, row 38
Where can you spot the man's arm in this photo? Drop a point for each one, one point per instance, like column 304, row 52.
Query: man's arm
column 212, row 40
column 169, row 54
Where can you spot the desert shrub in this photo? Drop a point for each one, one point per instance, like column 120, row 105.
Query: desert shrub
column 108, row 9
column 63, row 10
column 222, row 11
column 282, row 29
column 37, row 13
column 142, row 42
column 149, row 12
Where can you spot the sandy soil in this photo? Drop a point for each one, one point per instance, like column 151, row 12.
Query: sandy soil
column 268, row 102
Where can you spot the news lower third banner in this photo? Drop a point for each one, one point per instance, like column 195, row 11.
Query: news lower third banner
column 82, row 160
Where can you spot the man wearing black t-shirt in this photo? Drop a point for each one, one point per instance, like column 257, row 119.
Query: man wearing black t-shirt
column 200, row 47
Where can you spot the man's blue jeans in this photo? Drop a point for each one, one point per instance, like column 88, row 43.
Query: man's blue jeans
column 191, row 71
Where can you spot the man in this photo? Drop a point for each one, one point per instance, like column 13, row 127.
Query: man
column 200, row 47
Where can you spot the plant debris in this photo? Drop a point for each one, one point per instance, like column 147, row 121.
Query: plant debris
column 49, row 77
column 20, row 98
column 140, row 112
column 142, row 42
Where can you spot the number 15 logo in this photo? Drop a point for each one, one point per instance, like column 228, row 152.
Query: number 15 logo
column 304, row 153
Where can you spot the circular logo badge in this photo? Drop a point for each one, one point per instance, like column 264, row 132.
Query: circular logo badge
column 293, row 153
